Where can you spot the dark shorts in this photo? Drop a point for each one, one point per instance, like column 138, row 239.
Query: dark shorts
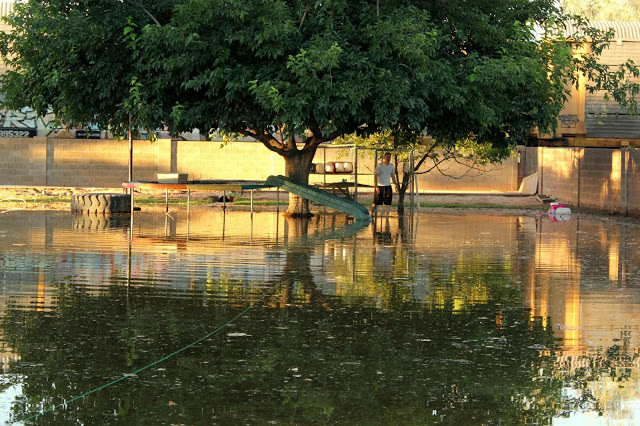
column 383, row 196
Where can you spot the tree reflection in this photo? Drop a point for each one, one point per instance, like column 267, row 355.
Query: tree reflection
column 601, row 381
column 464, row 351
column 348, row 364
column 295, row 283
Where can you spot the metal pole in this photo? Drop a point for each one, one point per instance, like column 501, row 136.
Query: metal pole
column 355, row 173
column 375, row 164
column 417, row 195
column 131, row 200
column 412, row 177
column 324, row 167
column 130, row 134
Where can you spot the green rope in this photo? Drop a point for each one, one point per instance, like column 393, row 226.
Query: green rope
column 146, row 367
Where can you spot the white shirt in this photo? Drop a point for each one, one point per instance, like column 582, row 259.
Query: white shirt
column 384, row 172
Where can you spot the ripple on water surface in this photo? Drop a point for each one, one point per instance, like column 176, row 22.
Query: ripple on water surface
column 451, row 317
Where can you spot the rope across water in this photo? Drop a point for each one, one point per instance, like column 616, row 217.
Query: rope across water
column 140, row 370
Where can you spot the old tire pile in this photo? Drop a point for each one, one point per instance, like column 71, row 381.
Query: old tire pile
column 100, row 203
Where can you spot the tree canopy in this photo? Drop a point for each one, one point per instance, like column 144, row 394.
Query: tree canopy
column 72, row 58
column 330, row 68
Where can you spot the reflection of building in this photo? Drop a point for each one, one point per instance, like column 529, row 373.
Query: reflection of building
column 578, row 281
column 606, row 381
column 580, row 286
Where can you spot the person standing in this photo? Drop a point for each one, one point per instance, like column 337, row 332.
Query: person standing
column 382, row 178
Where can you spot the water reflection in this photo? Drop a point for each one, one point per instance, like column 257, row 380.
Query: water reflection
column 456, row 317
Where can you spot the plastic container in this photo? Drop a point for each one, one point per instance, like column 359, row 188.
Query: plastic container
column 557, row 209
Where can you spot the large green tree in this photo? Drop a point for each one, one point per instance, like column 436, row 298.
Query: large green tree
column 295, row 73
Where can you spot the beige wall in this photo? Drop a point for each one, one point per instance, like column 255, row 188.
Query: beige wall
column 592, row 178
column 23, row 161
column 559, row 171
column 600, row 179
column 104, row 163
column 213, row 160
column 456, row 177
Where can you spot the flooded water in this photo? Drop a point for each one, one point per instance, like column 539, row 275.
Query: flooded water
column 209, row 318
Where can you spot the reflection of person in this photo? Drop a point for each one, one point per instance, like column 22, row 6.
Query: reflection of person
column 385, row 173
column 383, row 253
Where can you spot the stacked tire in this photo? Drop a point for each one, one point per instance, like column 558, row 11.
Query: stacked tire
column 100, row 203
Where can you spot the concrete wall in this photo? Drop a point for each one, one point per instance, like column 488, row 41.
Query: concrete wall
column 457, row 177
column 591, row 178
column 630, row 186
column 104, row 163
column 559, row 171
column 213, row 160
column 23, row 161
column 600, row 179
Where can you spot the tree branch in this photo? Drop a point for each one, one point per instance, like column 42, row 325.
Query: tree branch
column 267, row 139
column 153, row 18
column 304, row 15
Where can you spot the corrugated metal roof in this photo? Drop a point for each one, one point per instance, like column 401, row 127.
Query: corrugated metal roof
column 624, row 31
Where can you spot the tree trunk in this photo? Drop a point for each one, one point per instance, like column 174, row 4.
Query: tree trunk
column 297, row 168
column 402, row 190
column 401, row 193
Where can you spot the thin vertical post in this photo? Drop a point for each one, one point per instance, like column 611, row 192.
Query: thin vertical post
column 324, row 166
column 411, row 162
column 355, row 173
column 130, row 135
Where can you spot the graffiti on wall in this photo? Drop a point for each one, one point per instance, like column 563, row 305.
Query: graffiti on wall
column 25, row 123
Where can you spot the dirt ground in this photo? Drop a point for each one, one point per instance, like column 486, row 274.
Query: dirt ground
column 45, row 197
